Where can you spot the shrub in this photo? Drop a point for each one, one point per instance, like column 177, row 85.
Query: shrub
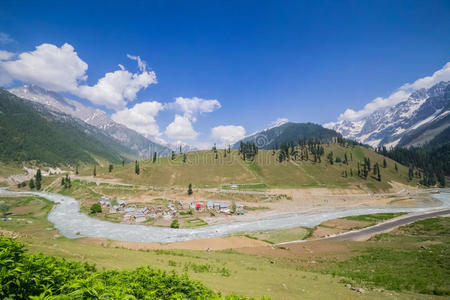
column 96, row 208
column 37, row 276
column 175, row 224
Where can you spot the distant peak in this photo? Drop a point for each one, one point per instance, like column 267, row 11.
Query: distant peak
column 278, row 122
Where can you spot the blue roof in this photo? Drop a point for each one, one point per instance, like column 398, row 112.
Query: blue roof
column 223, row 205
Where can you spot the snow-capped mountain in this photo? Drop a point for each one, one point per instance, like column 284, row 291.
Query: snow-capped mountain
column 422, row 118
column 184, row 147
column 95, row 117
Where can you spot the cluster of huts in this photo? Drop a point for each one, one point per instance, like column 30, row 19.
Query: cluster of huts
column 216, row 206
column 132, row 213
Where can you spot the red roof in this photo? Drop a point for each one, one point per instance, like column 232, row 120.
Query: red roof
column 199, row 205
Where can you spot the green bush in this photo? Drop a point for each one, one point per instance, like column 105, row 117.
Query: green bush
column 96, row 208
column 175, row 224
column 36, row 276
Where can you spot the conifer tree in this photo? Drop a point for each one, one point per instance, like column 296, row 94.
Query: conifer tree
column 384, row 163
column 31, row 183
column 173, row 155
column 38, row 177
column 184, row 157
column 95, row 171
column 136, row 168
column 110, row 168
column 76, row 170
column 190, row 192
column 123, row 162
column 395, row 167
column 379, row 174
column 154, row 157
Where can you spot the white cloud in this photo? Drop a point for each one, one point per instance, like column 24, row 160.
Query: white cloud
column 116, row 87
column 398, row 96
column 60, row 69
column 181, row 129
column 5, row 55
column 5, row 38
column 141, row 118
column 228, row 134
column 191, row 107
column 57, row 69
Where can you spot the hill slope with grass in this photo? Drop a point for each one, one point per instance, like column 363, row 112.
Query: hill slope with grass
column 210, row 169
column 28, row 131
column 289, row 132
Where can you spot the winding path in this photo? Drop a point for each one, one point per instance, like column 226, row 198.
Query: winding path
column 68, row 219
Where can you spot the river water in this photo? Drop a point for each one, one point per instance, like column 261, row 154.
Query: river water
column 68, row 219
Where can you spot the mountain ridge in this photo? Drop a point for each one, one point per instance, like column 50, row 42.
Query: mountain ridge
column 95, row 117
column 413, row 122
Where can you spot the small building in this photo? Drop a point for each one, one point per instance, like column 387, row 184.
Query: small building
column 116, row 207
column 225, row 210
column 217, row 205
column 122, row 203
column 223, row 206
column 210, row 205
column 199, row 206
column 192, row 205
column 129, row 209
column 140, row 217
column 234, row 186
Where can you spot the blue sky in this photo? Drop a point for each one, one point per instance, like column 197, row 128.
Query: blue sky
column 261, row 60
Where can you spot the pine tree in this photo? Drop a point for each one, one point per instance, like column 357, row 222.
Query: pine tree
column 110, row 168
column 190, row 192
column 76, row 170
column 173, row 155
column 395, row 167
column 136, row 168
column 38, row 177
column 384, row 163
column 95, row 171
column 217, row 156
column 123, row 163
column 154, row 157
column 181, row 150
column 63, row 181
column 184, row 157
column 31, row 183
column 379, row 174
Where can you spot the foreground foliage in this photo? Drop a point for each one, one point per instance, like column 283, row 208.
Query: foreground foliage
column 37, row 276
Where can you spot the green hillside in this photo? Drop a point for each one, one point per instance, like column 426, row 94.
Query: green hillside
column 289, row 133
column 203, row 169
column 29, row 132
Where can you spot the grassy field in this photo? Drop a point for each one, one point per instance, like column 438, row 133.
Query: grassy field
column 202, row 169
column 281, row 235
column 375, row 217
column 413, row 258
column 225, row 271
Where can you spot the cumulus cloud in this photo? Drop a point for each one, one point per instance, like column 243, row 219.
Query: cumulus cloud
column 5, row 38
column 54, row 68
column 228, row 134
column 5, row 55
column 141, row 118
column 398, row 96
column 191, row 107
column 60, row 69
column 181, row 129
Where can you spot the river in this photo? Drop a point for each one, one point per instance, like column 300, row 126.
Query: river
column 70, row 222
